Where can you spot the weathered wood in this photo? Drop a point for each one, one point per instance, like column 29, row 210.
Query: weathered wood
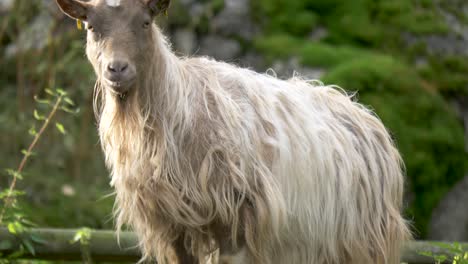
column 104, row 246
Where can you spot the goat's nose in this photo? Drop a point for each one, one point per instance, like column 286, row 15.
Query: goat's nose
column 117, row 67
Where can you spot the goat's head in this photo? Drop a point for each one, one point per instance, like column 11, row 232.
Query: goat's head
column 119, row 37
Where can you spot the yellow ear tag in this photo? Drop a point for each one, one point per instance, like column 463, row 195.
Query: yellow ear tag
column 166, row 13
column 79, row 24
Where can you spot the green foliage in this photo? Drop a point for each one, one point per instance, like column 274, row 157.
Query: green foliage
column 71, row 160
column 326, row 55
column 310, row 53
column 83, row 236
column 278, row 46
column 11, row 214
column 290, row 16
column 458, row 255
column 449, row 74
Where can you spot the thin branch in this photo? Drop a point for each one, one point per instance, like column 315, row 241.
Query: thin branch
column 28, row 154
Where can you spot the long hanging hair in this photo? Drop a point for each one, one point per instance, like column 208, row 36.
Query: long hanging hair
column 295, row 171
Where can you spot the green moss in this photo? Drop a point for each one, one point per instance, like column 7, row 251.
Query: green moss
column 291, row 17
column 325, row 55
column 364, row 22
column 277, row 46
column 310, row 53
column 375, row 73
column 426, row 130
column 217, row 5
column 302, row 23
column 448, row 74
column 177, row 14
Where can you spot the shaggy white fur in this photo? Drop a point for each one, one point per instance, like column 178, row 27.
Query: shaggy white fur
column 292, row 171
column 208, row 157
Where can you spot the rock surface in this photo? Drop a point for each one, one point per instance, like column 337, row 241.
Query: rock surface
column 235, row 19
column 450, row 219
column 6, row 5
column 220, row 48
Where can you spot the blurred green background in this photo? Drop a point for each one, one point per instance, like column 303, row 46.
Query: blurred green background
column 407, row 59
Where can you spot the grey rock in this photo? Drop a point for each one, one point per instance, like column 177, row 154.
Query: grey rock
column 235, row 19
column 449, row 220
column 6, row 5
column 461, row 107
column 220, row 48
column 185, row 41
column 253, row 61
column 453, row 43
column 449, row 44
column 420, row 62
column 35, row 35
column 196, row 10
column 318, row 34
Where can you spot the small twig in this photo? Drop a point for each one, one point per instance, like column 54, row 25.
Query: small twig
column 29, row 151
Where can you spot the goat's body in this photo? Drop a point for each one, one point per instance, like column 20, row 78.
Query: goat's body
column 223, row 157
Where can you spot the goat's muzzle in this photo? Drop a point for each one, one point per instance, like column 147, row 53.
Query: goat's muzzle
column 119, row 76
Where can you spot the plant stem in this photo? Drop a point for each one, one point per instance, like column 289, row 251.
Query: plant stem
column 28, row 153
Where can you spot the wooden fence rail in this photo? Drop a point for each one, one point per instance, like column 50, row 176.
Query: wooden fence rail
column 57, row 244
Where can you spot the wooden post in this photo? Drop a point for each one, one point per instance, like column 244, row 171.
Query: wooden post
column 104, row 246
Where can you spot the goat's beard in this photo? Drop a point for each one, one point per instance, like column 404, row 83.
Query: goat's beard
column 119, row 96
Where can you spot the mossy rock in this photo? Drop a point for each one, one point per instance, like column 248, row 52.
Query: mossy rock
column 449, row 74
column 278, row 46
column 426, row 130
column 363, row 22
column 311, row 53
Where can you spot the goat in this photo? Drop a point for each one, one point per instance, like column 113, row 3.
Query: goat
column 215, row 163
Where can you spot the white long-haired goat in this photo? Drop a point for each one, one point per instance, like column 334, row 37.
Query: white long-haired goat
column 206, row 156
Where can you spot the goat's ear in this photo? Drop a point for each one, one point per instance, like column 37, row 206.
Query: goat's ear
column 157, row 6
column 74, row 8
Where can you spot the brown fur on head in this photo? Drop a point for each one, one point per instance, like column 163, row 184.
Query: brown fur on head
column 119, row 42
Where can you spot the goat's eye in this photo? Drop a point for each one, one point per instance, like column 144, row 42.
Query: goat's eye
column 147, row 24
column 90, row 28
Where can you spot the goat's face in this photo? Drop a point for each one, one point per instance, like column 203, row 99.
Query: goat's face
column 120, row 37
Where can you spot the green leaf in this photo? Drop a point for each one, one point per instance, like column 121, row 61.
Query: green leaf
column 6, row 193
column 28, row 223
column 41, row 101
column 69, row 110
column 27, row 153
column 426, row 253
column 38, row 117
column 19, row 227
column 83, row 236
column 32, row 131
column 60, row 128
column 29, row 246
column 12, row 228
column 50, row 92
column 69, row 101
column 14, row 174
column 37, row 239
column 61, row 92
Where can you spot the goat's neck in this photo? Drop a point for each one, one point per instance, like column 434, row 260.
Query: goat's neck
column 165, row 89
